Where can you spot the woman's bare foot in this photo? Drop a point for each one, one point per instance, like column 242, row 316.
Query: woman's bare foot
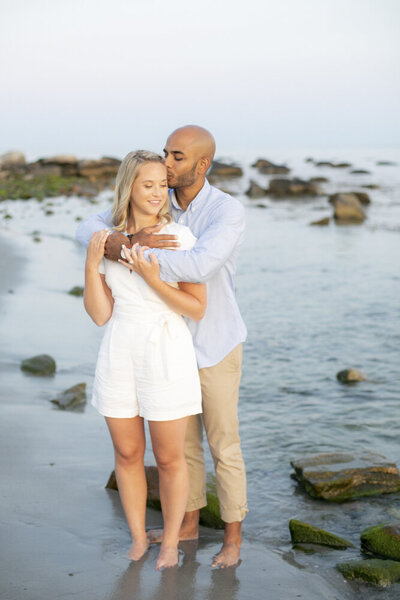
column 189, row 529
column 227, row 557
column 138, row 549
column 168, row 557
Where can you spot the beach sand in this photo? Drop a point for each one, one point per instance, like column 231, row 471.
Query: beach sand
column 62, row 533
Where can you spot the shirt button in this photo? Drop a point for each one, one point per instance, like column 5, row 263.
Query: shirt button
column 181, row 220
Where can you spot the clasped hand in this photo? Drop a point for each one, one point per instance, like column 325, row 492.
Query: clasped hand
column 149, row 270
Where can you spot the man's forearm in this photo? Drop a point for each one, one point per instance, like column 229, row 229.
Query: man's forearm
column 91, row 225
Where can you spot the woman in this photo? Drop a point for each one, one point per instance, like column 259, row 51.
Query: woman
column 146, row 365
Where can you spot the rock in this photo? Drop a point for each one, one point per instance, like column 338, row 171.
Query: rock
column 371, row 186
column 13, row 159
column 338, row 477
column 255, row 190
column 383, row 540
column 360, row 172
column 42, row 364
column 324, row 163
column 74, row 396
column 219, row 169
column 61, row 159
column 350, row 376
column 348, row 208
column 319, row 179
column 321, row 222
column 303, row 533
column 309, row 159
column 292, row 187
column 363, row 197
column 210, row 515
column 269, row 168
column 77, row 291
column 375, row 571
column 98, row 169
column 386, row 163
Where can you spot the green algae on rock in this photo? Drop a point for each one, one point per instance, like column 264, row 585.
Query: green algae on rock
column 42, row 364
column 339, row 477
column 77, row 290
column 210, row 515
column 305, row 533
column 374, row 570
column 350, row 376
column 383, row 540
column 72, row 397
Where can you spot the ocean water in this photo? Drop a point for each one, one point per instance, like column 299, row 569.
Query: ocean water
column 315, row 300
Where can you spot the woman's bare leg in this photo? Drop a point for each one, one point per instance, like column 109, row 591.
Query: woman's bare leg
column 168, row 439
column 129, row 445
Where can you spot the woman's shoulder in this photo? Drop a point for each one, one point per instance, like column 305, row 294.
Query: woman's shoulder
column 185, row 237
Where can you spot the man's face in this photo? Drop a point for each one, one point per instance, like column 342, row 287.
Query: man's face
column 180, row 161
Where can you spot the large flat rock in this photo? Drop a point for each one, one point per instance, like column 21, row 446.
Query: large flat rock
column 339, row 477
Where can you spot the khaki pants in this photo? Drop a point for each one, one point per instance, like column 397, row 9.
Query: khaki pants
column 220, row 396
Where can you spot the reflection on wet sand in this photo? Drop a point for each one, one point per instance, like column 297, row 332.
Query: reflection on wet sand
column 179, row 582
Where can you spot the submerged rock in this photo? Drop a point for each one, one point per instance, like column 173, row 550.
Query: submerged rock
column 360, row 172
column 326, row 163
column 308, row 534
column 42, row 364
column 255, row 190
column 210, row 515
column 347, row 208
column 292, row 187
column 350, row 376
column 375, row 571
column 74, row 396
column 386, row 163
column 339, row 477
column 220, row 169
column 383, row 540
column 77, row 290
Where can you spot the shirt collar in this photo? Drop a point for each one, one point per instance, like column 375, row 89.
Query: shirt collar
column 197, row 200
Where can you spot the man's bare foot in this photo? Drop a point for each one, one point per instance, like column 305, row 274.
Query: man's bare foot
column 167, row 558
column 155, row 536
column 137, row 549
column 227, row 557
column 189, row 529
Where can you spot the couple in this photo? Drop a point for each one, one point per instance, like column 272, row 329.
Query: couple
column 146, row 366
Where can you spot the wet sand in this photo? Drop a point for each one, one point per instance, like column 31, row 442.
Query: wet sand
column 62, row 534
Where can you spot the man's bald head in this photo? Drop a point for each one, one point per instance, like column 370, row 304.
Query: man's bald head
column 197, row 139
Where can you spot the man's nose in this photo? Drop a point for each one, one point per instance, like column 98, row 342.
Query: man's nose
column 168, row 161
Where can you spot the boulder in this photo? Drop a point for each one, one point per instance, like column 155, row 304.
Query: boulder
column 269, row 168
column 77, row 291
column 74, row 396
column 98, row 169
column 13, row 159
column 42, row 364
column 382, row 540
column 210, row 515
column 350, row 376
column 292, row 187
column 363, row 197
column 219, row 169
column 347, row 208
column 40, row 169
column 339, row 477
column 255, row 190
column 321, row 222
column 303, row 533
column 375, row 571
column 61, row 159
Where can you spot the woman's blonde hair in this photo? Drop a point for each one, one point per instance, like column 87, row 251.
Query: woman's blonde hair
column 127, row 173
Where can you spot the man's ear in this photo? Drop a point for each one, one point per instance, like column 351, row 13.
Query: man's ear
column 203, row 165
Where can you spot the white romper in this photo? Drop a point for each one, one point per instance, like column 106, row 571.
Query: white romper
column 146, row 364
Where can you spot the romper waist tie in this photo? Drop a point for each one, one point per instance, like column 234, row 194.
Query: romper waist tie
column 164, row 362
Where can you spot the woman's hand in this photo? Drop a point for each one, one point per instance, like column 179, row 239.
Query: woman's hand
column 95, row 251
column 149, row 270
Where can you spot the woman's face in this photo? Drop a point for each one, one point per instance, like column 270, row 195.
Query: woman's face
column 150, row 189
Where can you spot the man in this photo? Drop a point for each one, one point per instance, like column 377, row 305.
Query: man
column 217, row 220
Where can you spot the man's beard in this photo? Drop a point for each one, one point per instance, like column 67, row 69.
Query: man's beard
column 184, row 180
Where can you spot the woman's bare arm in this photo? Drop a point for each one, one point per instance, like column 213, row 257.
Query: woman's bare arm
column 97, row 298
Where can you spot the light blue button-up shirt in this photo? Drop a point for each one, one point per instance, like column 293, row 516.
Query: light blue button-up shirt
column 218, row 221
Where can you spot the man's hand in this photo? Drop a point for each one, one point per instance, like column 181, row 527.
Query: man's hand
column 112, row 248
column 147, row 236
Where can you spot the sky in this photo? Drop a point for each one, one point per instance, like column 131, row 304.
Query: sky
column 103, row 77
